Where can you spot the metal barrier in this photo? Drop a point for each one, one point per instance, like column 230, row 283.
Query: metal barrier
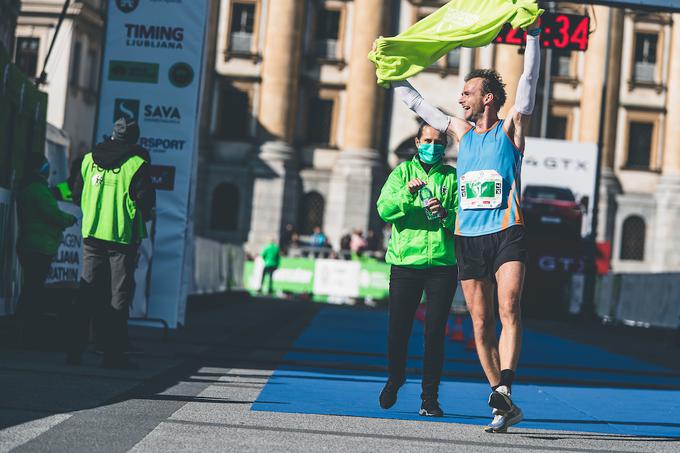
column 218, row 266
column 648, row 300
column 328, row 253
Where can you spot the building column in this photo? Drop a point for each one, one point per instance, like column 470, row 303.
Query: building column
column 666, row 245
column 509, row 64
column 610, row 187
column 356, row 176
column 593, row 80
column 276, row 181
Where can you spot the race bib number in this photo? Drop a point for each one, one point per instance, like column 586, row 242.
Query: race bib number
column 481, row 190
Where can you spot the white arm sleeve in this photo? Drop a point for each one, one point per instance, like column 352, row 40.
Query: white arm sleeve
column 526, row 88
column 414, row 101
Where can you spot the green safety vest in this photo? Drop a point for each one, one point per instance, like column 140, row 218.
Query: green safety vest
column 109, row 213
column 466, row 23
column 64, row 191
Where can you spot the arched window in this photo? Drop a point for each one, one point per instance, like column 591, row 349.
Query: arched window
column 311, row 214
column 225, row 207
column 633, row 239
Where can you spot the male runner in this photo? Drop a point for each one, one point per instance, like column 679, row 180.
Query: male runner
column 489, row 227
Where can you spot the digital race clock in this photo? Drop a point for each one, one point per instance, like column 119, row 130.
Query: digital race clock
column 558, row 31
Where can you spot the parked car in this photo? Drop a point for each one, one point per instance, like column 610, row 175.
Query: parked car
column 552, row 210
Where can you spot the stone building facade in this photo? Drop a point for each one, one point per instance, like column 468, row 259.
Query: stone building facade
column 297, row 131
column 9, row 10
column 72, row 82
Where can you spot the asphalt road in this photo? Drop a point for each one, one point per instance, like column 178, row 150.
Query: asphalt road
column 200, row 389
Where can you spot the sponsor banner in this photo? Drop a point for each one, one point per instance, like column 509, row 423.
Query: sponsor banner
column 142, row 276
column 562, row 164
column 65, row 269
column 337, row 278
column 295, row 275
column 322, row 278
column 375, row 279
column 152, row 71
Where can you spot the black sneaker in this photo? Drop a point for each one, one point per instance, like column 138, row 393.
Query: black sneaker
column 430, row 408
column 388, row 395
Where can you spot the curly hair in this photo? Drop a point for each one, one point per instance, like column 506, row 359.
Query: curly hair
column 493, row 83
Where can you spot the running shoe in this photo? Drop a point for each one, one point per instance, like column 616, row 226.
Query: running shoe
column 388, row 395
column 430, row 408
column 503, row 420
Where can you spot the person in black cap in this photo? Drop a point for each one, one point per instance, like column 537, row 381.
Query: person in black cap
column 116, row 196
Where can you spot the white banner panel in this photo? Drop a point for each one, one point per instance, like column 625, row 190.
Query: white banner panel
column 337, row 278
column 152, row 71
column 65, row 269
column 558, row 163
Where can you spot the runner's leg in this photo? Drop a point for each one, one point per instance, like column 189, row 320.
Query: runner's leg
column 479, row 299
column 510, row 279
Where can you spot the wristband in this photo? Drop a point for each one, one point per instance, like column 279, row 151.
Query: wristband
column 534, row 32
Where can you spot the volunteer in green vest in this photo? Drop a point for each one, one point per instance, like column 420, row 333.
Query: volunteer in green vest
column 420, row 200
column 271, row 255
column 41, row 224
column 116, row 196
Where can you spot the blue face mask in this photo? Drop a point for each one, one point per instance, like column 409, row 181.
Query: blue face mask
column 431, row 153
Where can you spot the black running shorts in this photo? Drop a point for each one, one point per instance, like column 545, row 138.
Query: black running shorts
column 481, row 256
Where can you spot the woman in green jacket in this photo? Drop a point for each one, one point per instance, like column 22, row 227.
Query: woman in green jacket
column 421, row 252
column 41, row 224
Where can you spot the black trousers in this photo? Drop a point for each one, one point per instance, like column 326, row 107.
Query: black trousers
column 35, row 267
column 406, row 290
column 268, row 271
column 107, row 287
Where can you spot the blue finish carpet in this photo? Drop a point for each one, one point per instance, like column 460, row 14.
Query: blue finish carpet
column 337, row 367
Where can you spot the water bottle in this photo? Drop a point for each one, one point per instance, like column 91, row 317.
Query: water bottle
column 425, row 196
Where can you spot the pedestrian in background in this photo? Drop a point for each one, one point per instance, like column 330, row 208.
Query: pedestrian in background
column 41, row 224
column 319, row 238
column 287, row 237
column 117, row 198
column 357, row 242
column 271, row 255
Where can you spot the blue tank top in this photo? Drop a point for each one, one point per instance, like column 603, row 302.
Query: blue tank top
column 489, row 186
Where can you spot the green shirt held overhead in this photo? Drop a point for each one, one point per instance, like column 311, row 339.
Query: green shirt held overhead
column 466, row 23
column 271, row 255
